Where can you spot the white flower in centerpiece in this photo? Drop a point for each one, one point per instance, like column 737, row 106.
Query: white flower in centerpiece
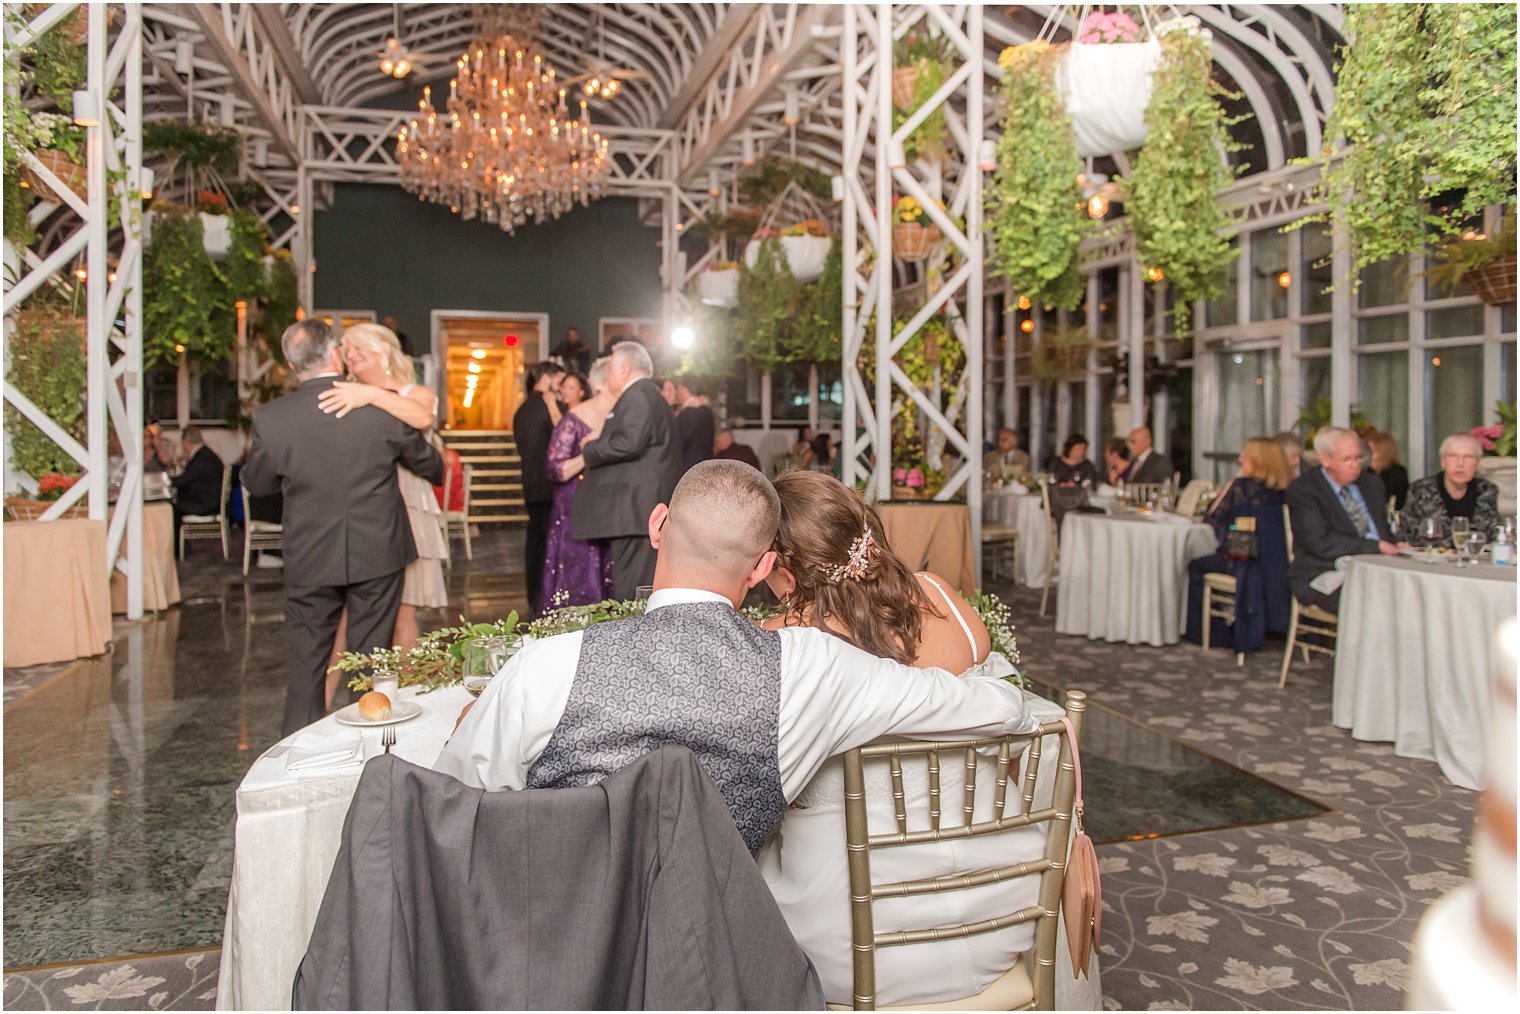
column 118, row 984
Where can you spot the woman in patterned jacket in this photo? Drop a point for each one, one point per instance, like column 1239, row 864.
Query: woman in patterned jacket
column 1453, row 492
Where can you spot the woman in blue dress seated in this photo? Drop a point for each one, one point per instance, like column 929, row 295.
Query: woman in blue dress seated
column 1261, row 596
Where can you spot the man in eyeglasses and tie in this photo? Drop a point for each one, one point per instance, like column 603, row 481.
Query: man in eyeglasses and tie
column 1337, row 510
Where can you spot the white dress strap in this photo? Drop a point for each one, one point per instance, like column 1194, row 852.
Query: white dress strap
column 966, row 627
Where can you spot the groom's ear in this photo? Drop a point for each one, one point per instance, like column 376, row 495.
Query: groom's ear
column 657, row 519
column 762, row 569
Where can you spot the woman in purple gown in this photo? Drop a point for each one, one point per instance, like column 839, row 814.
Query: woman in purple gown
column 576, row 573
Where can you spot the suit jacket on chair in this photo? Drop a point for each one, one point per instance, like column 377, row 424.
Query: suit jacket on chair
column 344, row 518
column 633, row 894
column 1156, row 467
column 633, row 466
column 1322, row 530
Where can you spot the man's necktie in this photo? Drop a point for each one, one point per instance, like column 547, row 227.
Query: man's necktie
column 1358, row 514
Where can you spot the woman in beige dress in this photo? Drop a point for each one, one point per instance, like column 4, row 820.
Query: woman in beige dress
column 383, row 377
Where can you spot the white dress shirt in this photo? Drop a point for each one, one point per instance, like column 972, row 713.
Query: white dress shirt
column 833, row 697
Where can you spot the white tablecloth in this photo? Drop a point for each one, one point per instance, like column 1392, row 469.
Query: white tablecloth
column 1414, row 659
column 1026, row 512
column 286, row 839
column 1124, row 577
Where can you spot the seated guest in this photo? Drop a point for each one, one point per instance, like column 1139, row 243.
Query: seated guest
column 1146, row 464
column 729, row 449
column 1115, row 459
column 197, row 489
column 1385, row 462
column 1337, row 510
column 1072, row 468
column 1453, row 492
column 835, row 572
column 1006, row 461
column 1293, row 448
column 154, row 457
column 801, row 447
column 762, row 710
column 694, row 421
column 1257, row 493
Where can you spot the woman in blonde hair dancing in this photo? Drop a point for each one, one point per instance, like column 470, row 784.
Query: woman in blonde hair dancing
column 385, row 379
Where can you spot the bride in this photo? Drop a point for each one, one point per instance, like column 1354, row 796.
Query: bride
column 834, row 570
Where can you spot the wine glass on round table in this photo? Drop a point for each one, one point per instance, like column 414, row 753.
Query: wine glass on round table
column 1432, row 534
column 1461, row 531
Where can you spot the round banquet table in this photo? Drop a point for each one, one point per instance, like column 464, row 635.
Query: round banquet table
column 1026, row 512
column 1426, row 689
column 284, row 844
column 1124, row 577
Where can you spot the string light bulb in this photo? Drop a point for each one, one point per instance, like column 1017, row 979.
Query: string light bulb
column 1155, row 274
column 1285, row 279
column 1097, row 206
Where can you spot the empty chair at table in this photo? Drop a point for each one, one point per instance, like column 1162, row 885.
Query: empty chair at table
column 1250, row 568
column 636, row 893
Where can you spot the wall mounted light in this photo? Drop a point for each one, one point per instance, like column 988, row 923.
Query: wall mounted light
column 836, row 187
column 1285, row 279
column 1097, row 206
column 683, row 337
column 184, row 58
column 145, row 183
column 1026, row 326
column 790, row 116
column 86, row 113
column 713, row 187
column 747, row 150
column 479, row 353
column 1155, row 274
column 987, row 158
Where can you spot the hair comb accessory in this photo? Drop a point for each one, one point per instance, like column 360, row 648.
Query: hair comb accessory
column 860, row 556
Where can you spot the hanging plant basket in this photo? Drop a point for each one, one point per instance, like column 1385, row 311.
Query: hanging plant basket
column 719, row 288
column 914, row 242
column 1494, row 283
column 60, row 164
column 1106, row 88
column 804, row 255
column 216, row 234
column 904, row 82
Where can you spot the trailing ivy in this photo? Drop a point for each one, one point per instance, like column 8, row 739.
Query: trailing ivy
column 928, row 141
column 281, row 299
column 1035, row 213
column 1425, row 103
column 1173, row 194
column 243, row 268
column 815, row 329
column 768, row 296
column 47, row 364
column 185, row 301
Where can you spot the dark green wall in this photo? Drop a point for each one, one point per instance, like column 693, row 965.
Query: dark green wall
column 379, row 248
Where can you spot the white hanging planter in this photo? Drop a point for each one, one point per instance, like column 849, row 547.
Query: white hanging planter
column 1106, row 88
column 719, row 288
column 216, row 234
column 804, row 255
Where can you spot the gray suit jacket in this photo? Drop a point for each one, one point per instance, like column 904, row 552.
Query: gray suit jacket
column 633, row 466
column 1322, row 530
column 345, row 521
column 636, row 893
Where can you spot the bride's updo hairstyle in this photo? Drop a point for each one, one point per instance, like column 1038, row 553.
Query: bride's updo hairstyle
column 845, row 577
column 381, row 341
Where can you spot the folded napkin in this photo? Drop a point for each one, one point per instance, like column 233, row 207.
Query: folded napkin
column 325, row 751
column 1167, row 517
column 1330, row 581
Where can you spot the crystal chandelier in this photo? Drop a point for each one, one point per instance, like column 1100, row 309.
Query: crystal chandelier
column 506, row 147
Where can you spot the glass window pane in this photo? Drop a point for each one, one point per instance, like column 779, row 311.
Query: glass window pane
column 1316, row 380
column 1383, row 393
column 1269, row 269
column 830, row 391
column 1453, row 396
column 1457, row 322
column 1315, row 269
column 1317, row 336
column 789, row 393
column 1223, row 310
column 1383, row 283
column 1108, row 304
column 1507, row 318
column 1379, row 330
column 1078, row 420
column 1247, row 398
column 1507, row 372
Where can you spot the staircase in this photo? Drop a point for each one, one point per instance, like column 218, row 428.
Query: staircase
column 496, row 495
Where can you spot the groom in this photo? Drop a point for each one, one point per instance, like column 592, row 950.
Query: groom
column 347, row 537
column 761, row 709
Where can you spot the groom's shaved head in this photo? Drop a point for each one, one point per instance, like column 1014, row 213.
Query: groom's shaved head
column 723, row 517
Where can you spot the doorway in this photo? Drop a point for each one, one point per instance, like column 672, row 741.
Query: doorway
column 483, row 357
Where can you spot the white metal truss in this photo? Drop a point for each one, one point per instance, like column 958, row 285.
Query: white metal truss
column 113, row 294
column 869, row 186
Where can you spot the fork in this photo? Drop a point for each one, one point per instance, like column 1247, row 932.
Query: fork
column 388, row 737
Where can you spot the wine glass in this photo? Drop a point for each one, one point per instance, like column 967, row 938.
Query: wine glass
column 1474, row 545
column 1432, row 532
column 1461, row 531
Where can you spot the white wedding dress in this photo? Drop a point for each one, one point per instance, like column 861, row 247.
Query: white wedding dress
column 804, row 864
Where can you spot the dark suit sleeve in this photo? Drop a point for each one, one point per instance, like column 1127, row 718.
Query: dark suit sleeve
column 1314, row 535
column 627, row 435
column 199, row 469
column 418, row 456
column 1376, row 495
column 259, row 475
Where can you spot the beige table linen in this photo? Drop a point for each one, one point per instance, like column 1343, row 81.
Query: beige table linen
column 285, row 840
column 1414, row 663
column 160, row 571
column 57, row 596
column 1124, row 578
column 934, row 537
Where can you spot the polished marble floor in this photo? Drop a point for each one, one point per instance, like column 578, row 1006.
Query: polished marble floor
column 120, row 772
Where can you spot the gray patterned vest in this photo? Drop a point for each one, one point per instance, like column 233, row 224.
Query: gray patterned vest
column 697, row 674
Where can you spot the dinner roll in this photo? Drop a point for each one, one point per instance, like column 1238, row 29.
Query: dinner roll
column 374, row 706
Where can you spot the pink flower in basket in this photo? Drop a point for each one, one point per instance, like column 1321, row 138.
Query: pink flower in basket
column 1116, row 27
column 1487, row 435
column 900, row 475
column 915, row 478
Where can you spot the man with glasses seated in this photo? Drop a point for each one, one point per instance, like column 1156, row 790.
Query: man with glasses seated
column 1455, row 491
column 761, row 709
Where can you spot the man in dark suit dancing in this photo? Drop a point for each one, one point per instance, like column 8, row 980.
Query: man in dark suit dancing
column 632, row 467
column 532, row 426
column 1337, row 510
column 347, row 537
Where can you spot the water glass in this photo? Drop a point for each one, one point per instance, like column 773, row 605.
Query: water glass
column 641, row 595
column 484, row 657
column 1474, row 546
column 387, row 682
